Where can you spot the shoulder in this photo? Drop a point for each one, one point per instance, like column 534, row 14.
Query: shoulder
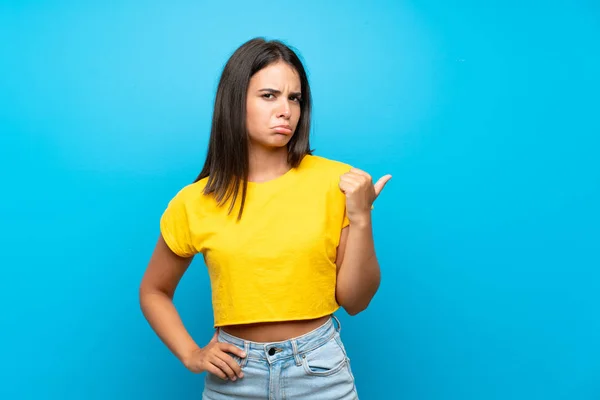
column 322, row 173
column 326, row 166
column 190, row 194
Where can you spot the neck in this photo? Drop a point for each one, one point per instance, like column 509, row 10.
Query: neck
column 267, row 164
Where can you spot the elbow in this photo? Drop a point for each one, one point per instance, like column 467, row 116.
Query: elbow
column 352, row 311
column 144, row 290
column 355, row 303
column 148, row 294
column 144, row 298
column 355, row 309
column 149, row 288
column 353, row 306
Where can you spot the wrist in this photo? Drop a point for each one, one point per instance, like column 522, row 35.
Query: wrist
column 361, row 220
column 187, row 356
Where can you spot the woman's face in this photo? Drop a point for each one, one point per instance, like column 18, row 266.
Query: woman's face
column 273, row 105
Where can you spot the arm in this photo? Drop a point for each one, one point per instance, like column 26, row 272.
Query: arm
column 358, row 275
column 156, row 292
column 156, row 299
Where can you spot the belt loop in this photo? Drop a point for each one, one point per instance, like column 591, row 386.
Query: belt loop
column 339, row 329
column 296, row 354
column 247, row 351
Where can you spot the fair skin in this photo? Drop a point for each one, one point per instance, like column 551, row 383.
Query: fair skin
column 273, row 100
column 273, row 112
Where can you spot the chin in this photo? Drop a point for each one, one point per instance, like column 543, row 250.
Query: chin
column 275, row 146
column 282, row 142
column 272, row 141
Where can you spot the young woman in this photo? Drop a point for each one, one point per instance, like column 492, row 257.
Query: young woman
column 286, row 237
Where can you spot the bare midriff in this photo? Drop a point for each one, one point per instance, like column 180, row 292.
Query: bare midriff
column 274, row 331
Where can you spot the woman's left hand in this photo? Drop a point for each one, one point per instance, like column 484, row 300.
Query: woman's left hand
column 360, row 193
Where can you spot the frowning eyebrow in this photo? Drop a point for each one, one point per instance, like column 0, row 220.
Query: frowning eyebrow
column 275, row 91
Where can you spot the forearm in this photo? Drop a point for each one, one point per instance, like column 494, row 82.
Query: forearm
column 161, row 314
column 359, row 275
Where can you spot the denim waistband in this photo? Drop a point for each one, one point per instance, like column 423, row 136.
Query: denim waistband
column 294, row 347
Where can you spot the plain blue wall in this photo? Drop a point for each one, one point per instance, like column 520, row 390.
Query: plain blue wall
column 486, row 113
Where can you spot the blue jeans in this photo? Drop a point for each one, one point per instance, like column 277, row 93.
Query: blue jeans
column 312, row 366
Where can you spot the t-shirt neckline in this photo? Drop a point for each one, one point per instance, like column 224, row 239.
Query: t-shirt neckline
column 277, row 180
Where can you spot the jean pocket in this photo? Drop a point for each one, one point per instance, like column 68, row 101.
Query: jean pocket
column 239, row 361
column 325, row 360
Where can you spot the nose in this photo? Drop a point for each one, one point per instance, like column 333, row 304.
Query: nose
column 284, row 110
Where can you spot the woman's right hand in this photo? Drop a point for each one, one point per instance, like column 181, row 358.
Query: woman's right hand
column 213, row 358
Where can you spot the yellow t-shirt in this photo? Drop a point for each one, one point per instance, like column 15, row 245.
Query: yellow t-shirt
column 278, row 262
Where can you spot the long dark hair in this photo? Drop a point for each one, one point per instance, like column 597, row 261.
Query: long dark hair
column 226, row 164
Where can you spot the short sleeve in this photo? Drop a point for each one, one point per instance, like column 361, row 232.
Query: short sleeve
column 175, row 227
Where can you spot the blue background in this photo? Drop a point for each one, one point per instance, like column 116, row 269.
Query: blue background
column 486, row 114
